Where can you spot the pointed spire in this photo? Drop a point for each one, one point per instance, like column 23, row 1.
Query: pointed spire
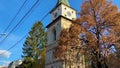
column 64, row 2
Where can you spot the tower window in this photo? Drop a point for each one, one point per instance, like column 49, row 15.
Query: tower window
column 55, row 15
column 54, row 34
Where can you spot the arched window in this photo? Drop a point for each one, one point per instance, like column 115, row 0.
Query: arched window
column 54, row 34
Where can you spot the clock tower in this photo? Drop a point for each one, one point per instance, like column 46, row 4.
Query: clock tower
column 61, row 18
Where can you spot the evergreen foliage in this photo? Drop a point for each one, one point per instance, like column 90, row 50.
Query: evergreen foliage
column 34, row 48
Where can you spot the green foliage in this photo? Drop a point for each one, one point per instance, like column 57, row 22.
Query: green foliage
column 41, row 63
column 34, row 47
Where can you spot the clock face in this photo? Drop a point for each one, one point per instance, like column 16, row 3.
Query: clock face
column 69, row 13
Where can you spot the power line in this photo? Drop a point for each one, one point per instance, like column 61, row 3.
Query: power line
column 47, row 13
column 15, row 16
column 26, row 35
column 20, row 21
column 15, row 44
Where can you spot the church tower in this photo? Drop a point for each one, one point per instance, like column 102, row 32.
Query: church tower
column 61, row 18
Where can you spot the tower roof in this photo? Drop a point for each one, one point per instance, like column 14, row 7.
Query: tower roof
column 64, row 2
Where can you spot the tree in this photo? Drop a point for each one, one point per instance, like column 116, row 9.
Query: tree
column 41, row 63
column 99, row 33
column 69, row 47
column 34, row 47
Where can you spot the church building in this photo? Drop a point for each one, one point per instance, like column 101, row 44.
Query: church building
column 61, row 18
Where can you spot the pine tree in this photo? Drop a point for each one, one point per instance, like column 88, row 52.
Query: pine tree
column 34, row 47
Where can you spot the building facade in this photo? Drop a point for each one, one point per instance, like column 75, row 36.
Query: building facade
column 61, row 18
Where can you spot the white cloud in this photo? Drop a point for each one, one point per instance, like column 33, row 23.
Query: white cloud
column 5, row 63
column 4, row 53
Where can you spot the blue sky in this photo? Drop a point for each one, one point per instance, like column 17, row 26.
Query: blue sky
column 8, row 9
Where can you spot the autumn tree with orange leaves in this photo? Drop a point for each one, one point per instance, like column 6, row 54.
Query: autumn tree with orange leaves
column 96, row 34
